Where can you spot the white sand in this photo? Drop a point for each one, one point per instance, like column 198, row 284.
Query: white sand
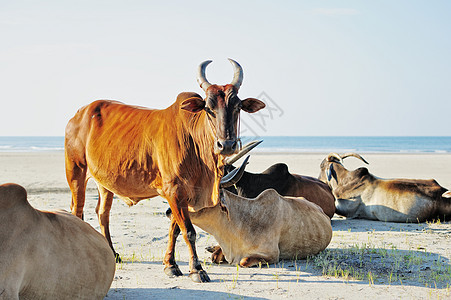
column 416, row 255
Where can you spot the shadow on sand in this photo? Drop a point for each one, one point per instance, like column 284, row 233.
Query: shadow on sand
column 170, row 293
column 362, row 225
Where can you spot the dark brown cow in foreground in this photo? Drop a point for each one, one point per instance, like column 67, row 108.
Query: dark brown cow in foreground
column 139, row 153
column 49, row 255
column 277, row 177
column 360, row 194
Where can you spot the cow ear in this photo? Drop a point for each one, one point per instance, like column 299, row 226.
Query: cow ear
column 193, row 104
column 361, row 172
column 252, row 105
column 330, row 172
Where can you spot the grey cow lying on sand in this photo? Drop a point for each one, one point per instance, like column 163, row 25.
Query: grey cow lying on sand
column 49, row 255
column 265, row 229
column 360, row 194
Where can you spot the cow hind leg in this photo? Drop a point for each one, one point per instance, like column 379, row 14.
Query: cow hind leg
column 103, row 213
column 181, row 216
column 170, row 266
column 76, row 178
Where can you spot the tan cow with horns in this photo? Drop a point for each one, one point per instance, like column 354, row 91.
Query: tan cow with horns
column 264, row 229
column 139, row 153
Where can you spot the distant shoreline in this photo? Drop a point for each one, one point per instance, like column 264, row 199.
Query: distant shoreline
column 279, row 144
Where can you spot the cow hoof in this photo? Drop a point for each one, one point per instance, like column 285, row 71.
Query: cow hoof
column 199, row 276
column 173, row 271
column 118, row 258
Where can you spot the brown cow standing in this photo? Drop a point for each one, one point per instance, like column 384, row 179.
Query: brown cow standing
column 139, row 153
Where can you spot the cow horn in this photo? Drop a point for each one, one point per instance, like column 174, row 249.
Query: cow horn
column 201, row 79
column 333, row 155
column 237, row 74
column 234, row 176
column 248, row 147
column 355, row 155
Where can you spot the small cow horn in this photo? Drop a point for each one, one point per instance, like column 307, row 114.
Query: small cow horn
column 354, row 155
column 234, row 176
column 232, row 159
column 237, row 75
column 334, row 156
column 201, row 79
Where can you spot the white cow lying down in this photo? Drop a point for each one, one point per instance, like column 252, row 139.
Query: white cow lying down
column 49, row 255
column 267, row 228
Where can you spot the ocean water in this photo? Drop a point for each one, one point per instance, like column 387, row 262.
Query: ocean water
column 358, row 144
column 301, row 144
column 31, row 143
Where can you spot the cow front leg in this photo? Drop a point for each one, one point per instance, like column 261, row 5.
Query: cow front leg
column 250, row 261
column 217, row 256
column 181, row 216
column 170, row 267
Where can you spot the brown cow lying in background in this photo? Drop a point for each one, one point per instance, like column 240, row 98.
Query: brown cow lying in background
column 360, row 194
column 264, row 229
column 49, row 255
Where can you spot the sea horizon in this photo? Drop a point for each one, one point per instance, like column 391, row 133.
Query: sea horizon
column 277, row 144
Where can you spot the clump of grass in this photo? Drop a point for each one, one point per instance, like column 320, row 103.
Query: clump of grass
column 387, row 264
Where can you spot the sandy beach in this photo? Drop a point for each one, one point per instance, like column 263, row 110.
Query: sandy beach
column 365, row 259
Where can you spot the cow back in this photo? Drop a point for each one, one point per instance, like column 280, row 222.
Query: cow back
column 51, row 255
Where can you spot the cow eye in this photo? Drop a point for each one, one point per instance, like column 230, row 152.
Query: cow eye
column 210, row 112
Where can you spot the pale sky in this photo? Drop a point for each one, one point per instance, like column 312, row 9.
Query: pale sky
column 323, row 67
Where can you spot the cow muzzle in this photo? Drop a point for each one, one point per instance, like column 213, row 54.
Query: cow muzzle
column 226, row 147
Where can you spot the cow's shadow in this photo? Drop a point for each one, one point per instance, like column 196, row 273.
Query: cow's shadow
column 363, row 265
column 357, row 264
column 362, row 225
column 170, row 293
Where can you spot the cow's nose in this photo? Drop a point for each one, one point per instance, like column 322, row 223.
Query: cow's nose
column 226, row 147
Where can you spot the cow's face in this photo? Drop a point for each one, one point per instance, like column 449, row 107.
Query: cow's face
column 326, row 173
column 223, row 110
column 222, row 107
column 343, row 183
